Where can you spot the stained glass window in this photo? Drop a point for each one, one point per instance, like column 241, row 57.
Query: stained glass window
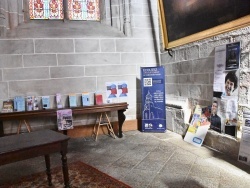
column 46, row 9
column 83, row 10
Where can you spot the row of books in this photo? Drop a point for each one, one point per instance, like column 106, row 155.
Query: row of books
column 19, row 103
column 85, row 99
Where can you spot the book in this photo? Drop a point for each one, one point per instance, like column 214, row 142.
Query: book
column 64, row 119
column 72, row 100
column 85, row 99
column 59, row 100
column 30, row 101
column 46, row 102
column 35, row 104
column 8, row 106
column 19, row 103
column 98, row 99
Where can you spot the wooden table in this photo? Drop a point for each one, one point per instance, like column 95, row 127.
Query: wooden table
column 119, row 107
column 25, row 146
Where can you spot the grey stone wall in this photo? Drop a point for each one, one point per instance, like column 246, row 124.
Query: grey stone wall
column 70, row 57
column 189, row 73
column 11, row 14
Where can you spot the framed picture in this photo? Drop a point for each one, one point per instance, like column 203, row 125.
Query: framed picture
column 187, row 21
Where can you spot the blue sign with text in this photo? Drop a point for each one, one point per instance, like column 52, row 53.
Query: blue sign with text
column 153, row 99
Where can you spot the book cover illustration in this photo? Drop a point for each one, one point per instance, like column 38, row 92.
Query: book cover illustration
column 35, row 104
column 85, row 99
column 8, row 106
column 98, row 99
column 64, row 119
column 30, row 101
column 46, row 102
column 19, row 103
column 72, row 100
column 59, row 100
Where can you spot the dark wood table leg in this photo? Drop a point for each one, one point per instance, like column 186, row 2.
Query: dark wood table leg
column 1, row 129
column 65, row 132
column 65, row 165
column 47, row 161
column 121, row 119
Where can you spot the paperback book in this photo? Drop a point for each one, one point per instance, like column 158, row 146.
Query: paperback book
column 35, row 104
column 98, row 99
column 64, row 119
column 19, row 103
column 46, row 102
column 58, row 100
column 72, row 100
column 7, row 106
column 30, row 101
column 85, row 99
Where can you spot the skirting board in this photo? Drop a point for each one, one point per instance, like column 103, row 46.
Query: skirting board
column 87, row 130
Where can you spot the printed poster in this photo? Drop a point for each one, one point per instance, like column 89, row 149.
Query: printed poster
column 198, row 128
column 116, row 90
column 153, row 99
column 226, row 87
column 233, row 56
column 219, row 68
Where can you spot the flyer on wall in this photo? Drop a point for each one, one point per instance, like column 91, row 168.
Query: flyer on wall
column 233, row 56
column 153, row 99
column 226, row 88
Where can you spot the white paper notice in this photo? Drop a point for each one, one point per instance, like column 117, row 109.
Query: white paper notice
column 219, row 68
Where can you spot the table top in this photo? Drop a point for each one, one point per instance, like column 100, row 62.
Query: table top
column 28, row 140
column 75, row 111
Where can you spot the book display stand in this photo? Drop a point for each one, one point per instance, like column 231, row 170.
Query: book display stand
column 103, row 119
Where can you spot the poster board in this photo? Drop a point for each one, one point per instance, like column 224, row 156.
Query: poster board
column 198, row 128
column 226, row 86
column 153, row 99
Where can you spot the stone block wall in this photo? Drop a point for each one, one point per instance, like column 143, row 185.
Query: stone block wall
column 54, row 57
column 190, row 73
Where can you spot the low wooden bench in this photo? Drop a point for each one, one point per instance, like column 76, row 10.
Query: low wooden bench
column 25, row 146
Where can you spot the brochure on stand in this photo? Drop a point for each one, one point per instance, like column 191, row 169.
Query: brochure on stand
column 72, row 100
column 198, row 128
column 64, row 119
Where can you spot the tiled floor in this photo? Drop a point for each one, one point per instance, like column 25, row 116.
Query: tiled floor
column 146, row 160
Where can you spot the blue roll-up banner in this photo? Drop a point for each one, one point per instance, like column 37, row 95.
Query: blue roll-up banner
column 153, row 99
